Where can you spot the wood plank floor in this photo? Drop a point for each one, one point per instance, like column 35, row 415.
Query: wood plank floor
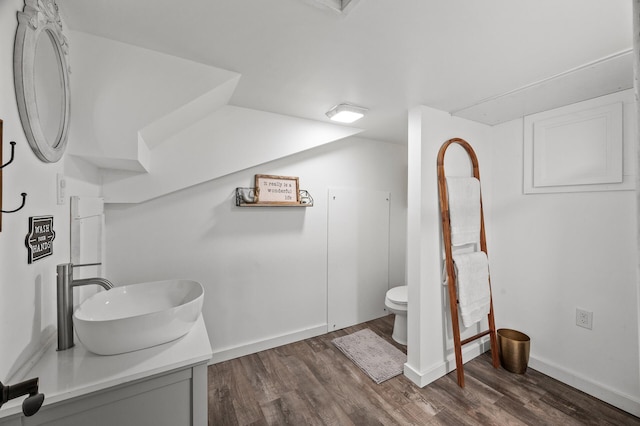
column 313, row 383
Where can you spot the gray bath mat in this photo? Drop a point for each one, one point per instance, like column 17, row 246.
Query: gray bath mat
column 375, row 356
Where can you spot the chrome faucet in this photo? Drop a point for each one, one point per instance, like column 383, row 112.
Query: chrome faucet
column 66, row 283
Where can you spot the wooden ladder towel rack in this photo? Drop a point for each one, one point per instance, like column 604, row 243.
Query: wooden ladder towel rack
column 451, row 274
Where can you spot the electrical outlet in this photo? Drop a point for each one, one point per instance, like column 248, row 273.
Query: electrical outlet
column 584, row 318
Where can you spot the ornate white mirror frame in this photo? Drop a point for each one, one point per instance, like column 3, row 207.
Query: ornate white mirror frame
column 39, row 31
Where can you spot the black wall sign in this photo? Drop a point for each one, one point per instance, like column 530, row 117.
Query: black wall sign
column 40, row 238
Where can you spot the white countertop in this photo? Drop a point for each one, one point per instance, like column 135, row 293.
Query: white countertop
column 76, row 371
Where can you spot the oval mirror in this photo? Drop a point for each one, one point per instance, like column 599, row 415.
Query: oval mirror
column 42, row 79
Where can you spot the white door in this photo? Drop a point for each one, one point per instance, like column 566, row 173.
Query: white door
column 358, row 256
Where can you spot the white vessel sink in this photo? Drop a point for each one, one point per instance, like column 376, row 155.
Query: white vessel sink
column 138, row 316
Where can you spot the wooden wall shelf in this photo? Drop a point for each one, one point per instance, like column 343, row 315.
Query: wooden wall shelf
column 244, row 197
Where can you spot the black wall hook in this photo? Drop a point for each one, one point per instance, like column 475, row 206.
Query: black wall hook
column 13, row 151
column 2, row 166
column 24, row 200
column 32, row 403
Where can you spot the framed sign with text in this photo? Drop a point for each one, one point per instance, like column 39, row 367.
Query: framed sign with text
column 39, row 240
column 272, row 189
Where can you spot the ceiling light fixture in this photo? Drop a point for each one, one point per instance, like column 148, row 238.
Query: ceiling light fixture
column 345, row 113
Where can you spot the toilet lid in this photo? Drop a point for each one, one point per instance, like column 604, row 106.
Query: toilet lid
column 398, row 295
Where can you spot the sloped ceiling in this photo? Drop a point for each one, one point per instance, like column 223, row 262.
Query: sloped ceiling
column 299, row 59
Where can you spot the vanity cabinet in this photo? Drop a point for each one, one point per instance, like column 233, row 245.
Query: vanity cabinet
column 158, row 386
column 175, row 398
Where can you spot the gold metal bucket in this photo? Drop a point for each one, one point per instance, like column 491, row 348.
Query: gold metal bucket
column 514, row 350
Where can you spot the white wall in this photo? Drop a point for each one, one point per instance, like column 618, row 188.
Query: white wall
column 154, row 123
column 549, row 254
column 122, row 89
column 553, row 253
column 227, row 140
column 28, row 292
column 264, row 269
column 430, row 345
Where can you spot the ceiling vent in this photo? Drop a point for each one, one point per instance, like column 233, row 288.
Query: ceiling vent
column 341, row 6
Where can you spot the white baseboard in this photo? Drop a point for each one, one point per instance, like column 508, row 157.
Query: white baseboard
column 440, row 369
column 261, row 345
column 611, row 396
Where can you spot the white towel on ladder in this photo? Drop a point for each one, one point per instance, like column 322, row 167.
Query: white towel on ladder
column 474, row 295
column 464, row 209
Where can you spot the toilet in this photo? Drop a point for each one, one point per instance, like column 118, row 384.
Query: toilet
column 396, row 303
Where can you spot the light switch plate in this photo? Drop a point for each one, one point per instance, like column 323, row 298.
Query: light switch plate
column 61, row 188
